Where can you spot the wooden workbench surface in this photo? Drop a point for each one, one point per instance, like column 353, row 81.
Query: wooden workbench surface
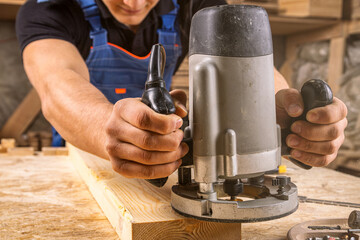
column 43, row 197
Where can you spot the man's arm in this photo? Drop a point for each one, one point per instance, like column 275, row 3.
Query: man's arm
column 70, row 103
column 280, row 82
column 316, row 141
column 139, row 142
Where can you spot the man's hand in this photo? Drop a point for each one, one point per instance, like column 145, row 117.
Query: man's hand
column 142, row 143
column 316, row 141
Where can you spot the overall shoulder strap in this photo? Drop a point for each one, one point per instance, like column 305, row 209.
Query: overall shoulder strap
column 92, row 14
column 169, row 18
column 168, row 32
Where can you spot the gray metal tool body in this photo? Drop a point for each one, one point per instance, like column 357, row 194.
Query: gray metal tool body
column 232, row 134
column 232, row 121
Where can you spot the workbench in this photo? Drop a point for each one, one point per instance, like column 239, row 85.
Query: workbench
column 43, row 197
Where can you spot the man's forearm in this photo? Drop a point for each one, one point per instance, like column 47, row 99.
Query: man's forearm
column 69, row 101
column 280, row 81
column 77, row 110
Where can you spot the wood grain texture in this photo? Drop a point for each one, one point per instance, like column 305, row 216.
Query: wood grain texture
column 8, row 143
column 44, row 198
column 53, row 151
column 20, row 151
column 138, row 210
column 12, row 2
column 24, row 114
column 312, row 8
column 8, row 10
column 281, row 25
column 353, row 27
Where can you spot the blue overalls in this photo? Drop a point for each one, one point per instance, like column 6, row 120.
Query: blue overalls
column 118, row 73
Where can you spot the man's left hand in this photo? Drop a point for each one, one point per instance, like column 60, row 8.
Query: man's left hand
column 316, row 141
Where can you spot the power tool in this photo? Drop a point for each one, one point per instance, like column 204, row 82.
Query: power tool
column 232, row 134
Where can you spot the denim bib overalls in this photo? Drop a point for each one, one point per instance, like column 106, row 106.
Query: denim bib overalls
column 118, row 73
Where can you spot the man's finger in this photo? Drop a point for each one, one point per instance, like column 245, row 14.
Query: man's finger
column 288, row 104
column 328, row 114
column 147, row 140
column 180, row 99
column 323, row 148
column 141, row 116
column 136, row 170
column 291, row 101
column 130, row 152
column 153, row 141
column 318, row 132
column 315, row 160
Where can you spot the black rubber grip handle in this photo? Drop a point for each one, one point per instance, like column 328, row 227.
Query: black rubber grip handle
column 156, row 96
column 315, row 93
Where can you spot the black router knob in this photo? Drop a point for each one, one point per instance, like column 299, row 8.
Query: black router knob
column 315, row 93
column 156, row 96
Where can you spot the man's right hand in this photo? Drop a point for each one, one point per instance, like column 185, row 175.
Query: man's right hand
column 142, row 143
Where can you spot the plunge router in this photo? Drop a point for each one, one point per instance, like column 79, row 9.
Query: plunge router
column 232, row 134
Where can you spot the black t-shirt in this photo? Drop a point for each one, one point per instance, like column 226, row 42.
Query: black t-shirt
column 64, row 19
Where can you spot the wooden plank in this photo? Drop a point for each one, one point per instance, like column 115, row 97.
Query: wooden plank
column 351, row 9
column 270, row 6
column 20, row 151
column 281, row 25
column 12, row 2
column 312, row 8
column 44, row 198
column 9, row 11
column 353, row 27
column 2, row 149
column 336, row 62
column 8, row 143
column 326, row 33
column 55, row 151
column 22, row 117
column 138, row 210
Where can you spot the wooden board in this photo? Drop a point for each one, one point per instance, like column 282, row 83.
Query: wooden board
column 8, row 143
column 138, row 210
column 44, row 198
column 24, row 114
column 9, row 10
column 20, row 151
column 53, row 151
column 12, row 2
column 311, row 8
column 281, row 25
column 336, row 62
column 351, row 9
